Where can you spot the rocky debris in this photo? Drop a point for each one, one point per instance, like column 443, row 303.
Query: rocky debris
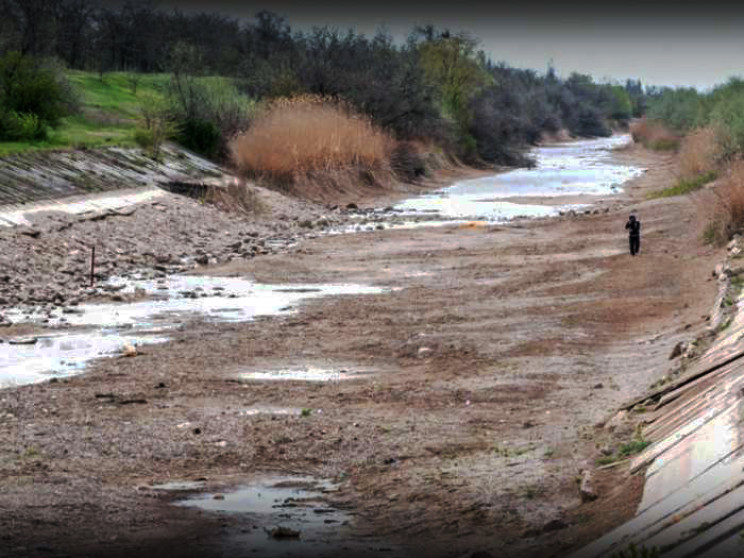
column 23, row 341
column 129, row 350
column 173, row 235
column 281, row 532
column 586, row 490
column 29, row 231
column 678, row 350
column 554, row 525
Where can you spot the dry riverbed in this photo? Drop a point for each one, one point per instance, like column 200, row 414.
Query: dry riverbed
column 448, row 414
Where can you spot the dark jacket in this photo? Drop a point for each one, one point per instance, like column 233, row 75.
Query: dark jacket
column 633, row 226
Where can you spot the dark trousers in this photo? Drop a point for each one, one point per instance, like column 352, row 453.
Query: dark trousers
column 635, row 244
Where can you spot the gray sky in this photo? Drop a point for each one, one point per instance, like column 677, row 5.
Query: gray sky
column 660, row 43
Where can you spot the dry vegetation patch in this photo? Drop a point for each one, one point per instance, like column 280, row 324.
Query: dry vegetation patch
column 304, row 141
column 699, row 153
column 723, row 207
column 653, row 134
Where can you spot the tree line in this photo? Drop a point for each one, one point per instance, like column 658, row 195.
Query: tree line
column 435, row 86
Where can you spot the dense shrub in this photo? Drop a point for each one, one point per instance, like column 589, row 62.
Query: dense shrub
column 33, row 97
column 727, row 117
column 206, row 113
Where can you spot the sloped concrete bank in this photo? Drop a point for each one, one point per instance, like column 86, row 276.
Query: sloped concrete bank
column 693, row 497
column 51, row 175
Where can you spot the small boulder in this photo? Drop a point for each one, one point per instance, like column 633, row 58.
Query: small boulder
column 586, row 489
column 677, row 350
column 284, row 533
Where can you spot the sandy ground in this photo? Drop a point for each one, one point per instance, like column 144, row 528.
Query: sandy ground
column 492, row 365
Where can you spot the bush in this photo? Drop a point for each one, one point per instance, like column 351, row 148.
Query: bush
column 305, row 138
column 206, row 113
column 32, row 98
column 22, row 127
column 407, row 161
column 202, row 136
column 727, row 117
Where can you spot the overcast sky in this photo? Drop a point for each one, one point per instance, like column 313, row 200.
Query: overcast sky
column 660, row 43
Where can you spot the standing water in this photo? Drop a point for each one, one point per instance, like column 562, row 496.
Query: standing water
column 580, row 168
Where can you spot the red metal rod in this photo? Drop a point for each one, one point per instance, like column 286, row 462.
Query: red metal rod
column 92, row 267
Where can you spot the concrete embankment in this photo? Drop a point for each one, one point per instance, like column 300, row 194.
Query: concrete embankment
column 50, row 175
column 693, row 498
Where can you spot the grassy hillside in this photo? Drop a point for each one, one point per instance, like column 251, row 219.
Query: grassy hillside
column 108, row 115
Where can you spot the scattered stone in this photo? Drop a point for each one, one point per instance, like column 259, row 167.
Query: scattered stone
column 284, row 533
column 554, row 525
column 600, row 385
column 29, row 231
column 586, row 490
column 23, row 341
column 677, row 350
column 424, row 351
column 218, row 497
column 129, row 350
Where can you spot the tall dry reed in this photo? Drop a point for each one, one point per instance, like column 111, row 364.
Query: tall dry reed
column 654, row 135
column 294, row 139
column 699, row 153
column 723, row 207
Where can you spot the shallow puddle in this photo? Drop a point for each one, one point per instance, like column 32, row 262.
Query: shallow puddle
column 304, row 375
column 61, row 355
column 281, row 514
column 257, row 410
column 105, row 329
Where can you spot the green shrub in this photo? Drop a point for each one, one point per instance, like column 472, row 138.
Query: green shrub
column 32, row 97
column 22, row 127
column 727, row 117
column 144, row 138
column 201, row 136
column 206, row 113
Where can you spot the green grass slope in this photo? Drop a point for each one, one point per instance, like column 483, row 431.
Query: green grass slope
column 108, row 115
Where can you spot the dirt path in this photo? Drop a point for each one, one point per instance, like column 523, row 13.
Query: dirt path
column 490, row 367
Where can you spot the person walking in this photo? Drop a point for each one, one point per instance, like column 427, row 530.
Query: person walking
column 633, row 226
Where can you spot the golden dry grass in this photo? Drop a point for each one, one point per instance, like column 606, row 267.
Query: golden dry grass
column 723, row 208
column 699, row 153
column 293, row 139
column 654, row 135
